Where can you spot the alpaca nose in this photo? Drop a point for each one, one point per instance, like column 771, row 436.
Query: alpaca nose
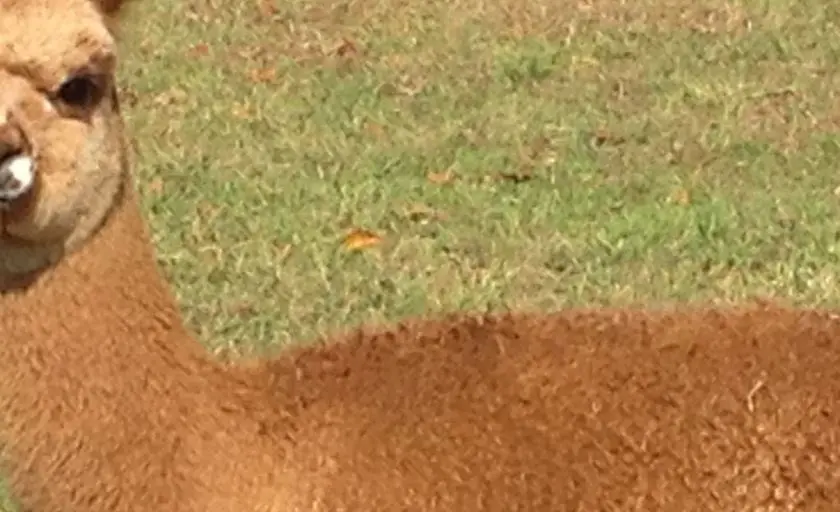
column 17, row 168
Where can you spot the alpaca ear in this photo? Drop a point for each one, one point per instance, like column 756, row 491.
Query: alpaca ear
column 110, row 7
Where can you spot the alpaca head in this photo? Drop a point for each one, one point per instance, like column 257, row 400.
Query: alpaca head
column 62, row 149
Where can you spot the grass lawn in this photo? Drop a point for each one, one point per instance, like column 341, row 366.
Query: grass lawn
column 504, row 154
column 501, row 154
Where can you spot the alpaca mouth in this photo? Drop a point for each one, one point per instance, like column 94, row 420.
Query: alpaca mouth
column 11, row 212
column 9, row 240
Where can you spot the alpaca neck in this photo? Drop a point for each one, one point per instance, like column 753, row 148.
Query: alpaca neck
column 99, row 379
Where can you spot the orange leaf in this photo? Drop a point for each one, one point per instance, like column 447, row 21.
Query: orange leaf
column 346, row 48
column 241, row 110
column 441, row 178
column 681, row 197
column 361, row 239
column 604, row 137
column 156, row 185
column 375, row 129
column 267, row 8
column 199, row 50
column 262, row 75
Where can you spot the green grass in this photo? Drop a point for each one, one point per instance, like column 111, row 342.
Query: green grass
column 654, row 153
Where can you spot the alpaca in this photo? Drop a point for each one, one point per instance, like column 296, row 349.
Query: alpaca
column 110, row 404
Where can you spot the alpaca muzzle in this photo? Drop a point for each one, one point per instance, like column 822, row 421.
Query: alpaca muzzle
column 17, row 166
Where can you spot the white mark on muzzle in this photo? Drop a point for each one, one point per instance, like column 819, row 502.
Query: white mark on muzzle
column 17, row 174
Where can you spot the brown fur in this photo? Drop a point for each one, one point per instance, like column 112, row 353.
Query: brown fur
column 109, row 404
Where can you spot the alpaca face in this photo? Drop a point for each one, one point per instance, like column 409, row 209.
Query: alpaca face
column 62, row 149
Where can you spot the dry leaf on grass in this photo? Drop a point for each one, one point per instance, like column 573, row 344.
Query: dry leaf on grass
column 170, row 97
column 242, row 308
column 376, row 130
column 680, row 196
column 267, row 8
column 516, row 177
column 156, row 186
column 441, row 178
column 423, row 214
column 604, row 137
column 346, row 48
column 358, row 239
column 282, row 252
column 241, row 111
column 199, row 50
column 262, row 75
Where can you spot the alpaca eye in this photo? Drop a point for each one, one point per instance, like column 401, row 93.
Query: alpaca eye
column 81, row 91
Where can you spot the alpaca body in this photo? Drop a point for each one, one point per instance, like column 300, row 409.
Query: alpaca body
column 688, row 410
column 109, row 404
column 699, row 409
